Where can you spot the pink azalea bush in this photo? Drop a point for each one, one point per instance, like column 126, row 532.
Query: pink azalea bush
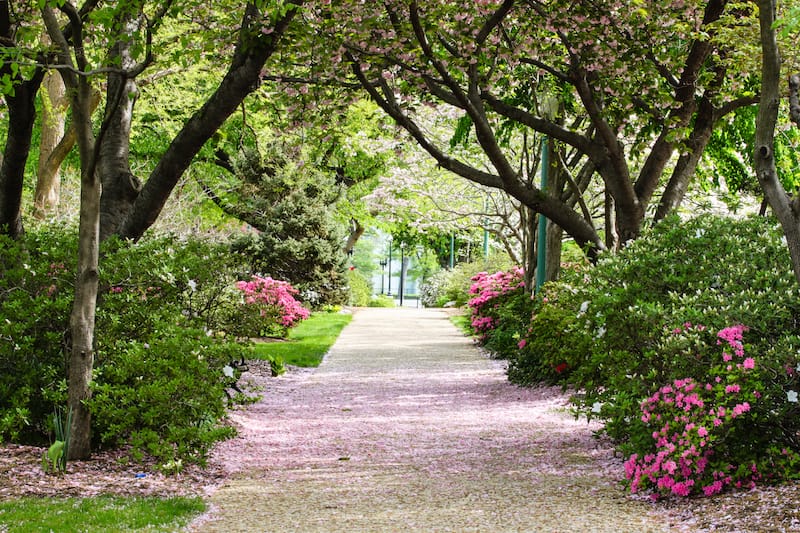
column 704, row 432
column 499, row 310
column 487, row 291
column 271, row 306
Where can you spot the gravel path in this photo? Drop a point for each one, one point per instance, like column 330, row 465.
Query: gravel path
column 407, row 427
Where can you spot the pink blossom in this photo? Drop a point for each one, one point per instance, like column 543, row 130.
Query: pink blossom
column 749, row 363
column 740, row 409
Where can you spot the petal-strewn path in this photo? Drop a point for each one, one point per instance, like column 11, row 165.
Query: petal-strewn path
column 407, row 427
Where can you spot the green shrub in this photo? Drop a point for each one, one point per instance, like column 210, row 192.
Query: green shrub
column 36, row 286
column 647, row 317
column 451, row 287
column 550, row 339
column 166, row 396
column 360, row 288
column 381, row 300
column 160, row 343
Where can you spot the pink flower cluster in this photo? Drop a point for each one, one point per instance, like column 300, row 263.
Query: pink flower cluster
column 488, row 287
column 275, row 299
column 689, row 423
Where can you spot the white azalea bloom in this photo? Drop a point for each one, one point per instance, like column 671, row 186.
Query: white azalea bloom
column 228, row 371
column 791, row 396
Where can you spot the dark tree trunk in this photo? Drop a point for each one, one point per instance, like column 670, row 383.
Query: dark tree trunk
column 786, row 210
column 252, row 51
column 21, row 116
column 120, row 186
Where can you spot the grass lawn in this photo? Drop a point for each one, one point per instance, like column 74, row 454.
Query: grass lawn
column 105, row 513
column 462, row 322
column 307, row 343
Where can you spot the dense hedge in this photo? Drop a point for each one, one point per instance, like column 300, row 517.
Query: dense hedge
column 705, row 309
column 167, row 330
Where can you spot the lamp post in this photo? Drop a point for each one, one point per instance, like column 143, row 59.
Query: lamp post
column 389, row 293
column 382, row 262
column 402, row 270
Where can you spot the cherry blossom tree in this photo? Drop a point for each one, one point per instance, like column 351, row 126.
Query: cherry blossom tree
column 635, row 84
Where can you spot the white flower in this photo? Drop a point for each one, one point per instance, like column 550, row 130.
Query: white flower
column 596, row 406
column 584, row 307
column 228, row 371
column 600, row 332
column 192, row 285
column 798, row 367
column 699, row 233
column 791, row 396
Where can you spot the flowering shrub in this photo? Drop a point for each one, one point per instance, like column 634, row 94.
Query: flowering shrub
column 451, row 286
column 627, row 327
column 500, row 310
column 158, row 381
column 276, row 309
column 549, row 340
column 701, row 432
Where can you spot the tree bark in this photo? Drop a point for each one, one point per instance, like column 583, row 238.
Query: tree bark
column 120, row 185
column 48, row 181
column 252, row 51
column 21, row 116
column 82, row 317
column 356, row 231
column 684, row 169
column 787, row 211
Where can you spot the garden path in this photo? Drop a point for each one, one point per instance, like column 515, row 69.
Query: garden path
column 406, row 426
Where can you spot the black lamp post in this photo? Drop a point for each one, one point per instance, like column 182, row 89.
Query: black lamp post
column 383, row 263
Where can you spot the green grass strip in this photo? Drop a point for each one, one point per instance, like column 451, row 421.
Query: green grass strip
column 100, row 514
column 308, row 343
column 462, row 322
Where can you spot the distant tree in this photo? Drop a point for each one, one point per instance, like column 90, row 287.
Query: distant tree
column 292, row 208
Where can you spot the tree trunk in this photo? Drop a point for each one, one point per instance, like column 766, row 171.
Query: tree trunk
column 82, row 318
column 356, row 231
column 528, row 221
column 21, row 116
column 48, row 182
column 610, row 222
column 787, row 211
column 120, row 185
column 252, row 51
column 684, row 169
column 48, row 171
column 552, row 268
